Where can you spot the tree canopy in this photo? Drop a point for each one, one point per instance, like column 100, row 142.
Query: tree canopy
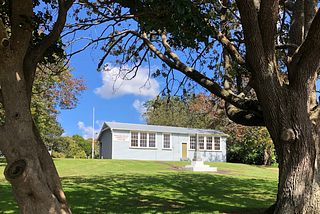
column 260, row 57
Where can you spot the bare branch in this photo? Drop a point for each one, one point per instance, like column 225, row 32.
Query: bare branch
column 110, row 48
column 64, row 6
column 243, row 117
column 229, row 46
column 204, row 81
column 287, row 46
column 306, row 56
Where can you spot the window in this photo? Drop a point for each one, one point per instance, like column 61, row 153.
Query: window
column 134, row 139
column 216, row 143
column 192, row 142
column 152, row 140
column 209, row 143
column 201, row 142
column 166, row 141
column 143, row 140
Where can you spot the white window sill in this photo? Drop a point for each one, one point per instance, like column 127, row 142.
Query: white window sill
column 166, row 148
column 133, row 147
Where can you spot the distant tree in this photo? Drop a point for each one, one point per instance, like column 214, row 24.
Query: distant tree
column 75, row 150
column 54, row 88
column 83, row 144
column 52, row 134
column 96, row 148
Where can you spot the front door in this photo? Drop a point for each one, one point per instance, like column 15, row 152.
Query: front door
column 184, row 150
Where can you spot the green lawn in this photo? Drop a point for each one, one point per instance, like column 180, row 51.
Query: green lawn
column 124, row 186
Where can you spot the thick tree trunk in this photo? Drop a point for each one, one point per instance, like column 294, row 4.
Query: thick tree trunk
column 298, row 189
column 296, row 138
column 30, row 170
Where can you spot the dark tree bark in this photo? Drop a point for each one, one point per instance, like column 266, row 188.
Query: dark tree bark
column 286, row 109
column 30, row 170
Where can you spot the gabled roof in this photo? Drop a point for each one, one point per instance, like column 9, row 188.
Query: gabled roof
column 152, row 128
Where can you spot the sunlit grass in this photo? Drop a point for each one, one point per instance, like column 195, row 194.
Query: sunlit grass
column 123, row 186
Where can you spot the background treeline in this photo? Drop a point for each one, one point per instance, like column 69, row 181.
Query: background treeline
column 250, row 145
column 69, row 146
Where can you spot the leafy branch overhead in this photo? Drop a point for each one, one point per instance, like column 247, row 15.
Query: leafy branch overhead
column 139, row 31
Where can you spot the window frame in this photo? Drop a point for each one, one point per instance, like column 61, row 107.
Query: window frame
column 204, row 142
column 147, row 140
column 192, row 144
column 209, row 144
column 163, row 140
column 214, row 143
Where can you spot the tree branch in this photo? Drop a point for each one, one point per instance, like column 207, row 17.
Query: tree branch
column 229, row 46
column 64, row 6
column 268, row 17
column 110, row 48
column 3, row 136
column 287, row 46
column 1, row 96
column 307, row 55
column 34, row 56
column 204, row 81
column 4, row 42
column 252, row 35
column 243, row 117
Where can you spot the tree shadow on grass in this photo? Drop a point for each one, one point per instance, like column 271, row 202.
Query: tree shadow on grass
column 182, row 192
column 7, row 201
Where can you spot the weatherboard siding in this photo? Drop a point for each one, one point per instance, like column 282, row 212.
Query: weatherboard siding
column 106, row 145
column 116, row 144
column 210, row 155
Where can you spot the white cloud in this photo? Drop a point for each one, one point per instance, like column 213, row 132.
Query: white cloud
column 116, row 83
column 138, row 105
column 87, row 130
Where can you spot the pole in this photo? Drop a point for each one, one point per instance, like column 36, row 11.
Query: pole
column 93, row 134
column 197, row 155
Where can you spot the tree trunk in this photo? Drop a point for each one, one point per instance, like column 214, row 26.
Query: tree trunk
column 30, row 170
column 266, row 159
column 298, row 176
column 296, row 139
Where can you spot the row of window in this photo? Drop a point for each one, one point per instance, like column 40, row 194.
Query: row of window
column 148, row 140
column 205, row 142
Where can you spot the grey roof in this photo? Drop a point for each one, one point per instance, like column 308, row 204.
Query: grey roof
column 152, row 128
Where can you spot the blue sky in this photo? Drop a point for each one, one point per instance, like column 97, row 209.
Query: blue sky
column 119, row 101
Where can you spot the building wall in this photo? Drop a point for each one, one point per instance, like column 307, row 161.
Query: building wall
column 122, row 148
column 106, row 145
column 212, row 156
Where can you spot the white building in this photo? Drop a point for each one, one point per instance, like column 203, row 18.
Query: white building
column 162, row 143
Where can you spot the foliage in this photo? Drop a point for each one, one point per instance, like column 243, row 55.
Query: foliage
column 85, row 145
column 183, row 19
column 58, row 154
column 96, row 147
column 75, row 151
column 54, row 88
column 150, row 187
column 71, row 147
column 244, row 145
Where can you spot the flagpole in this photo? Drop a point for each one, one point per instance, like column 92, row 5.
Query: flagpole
column 92, row 134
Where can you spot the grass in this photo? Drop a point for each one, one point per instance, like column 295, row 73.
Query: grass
column 125, row 186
